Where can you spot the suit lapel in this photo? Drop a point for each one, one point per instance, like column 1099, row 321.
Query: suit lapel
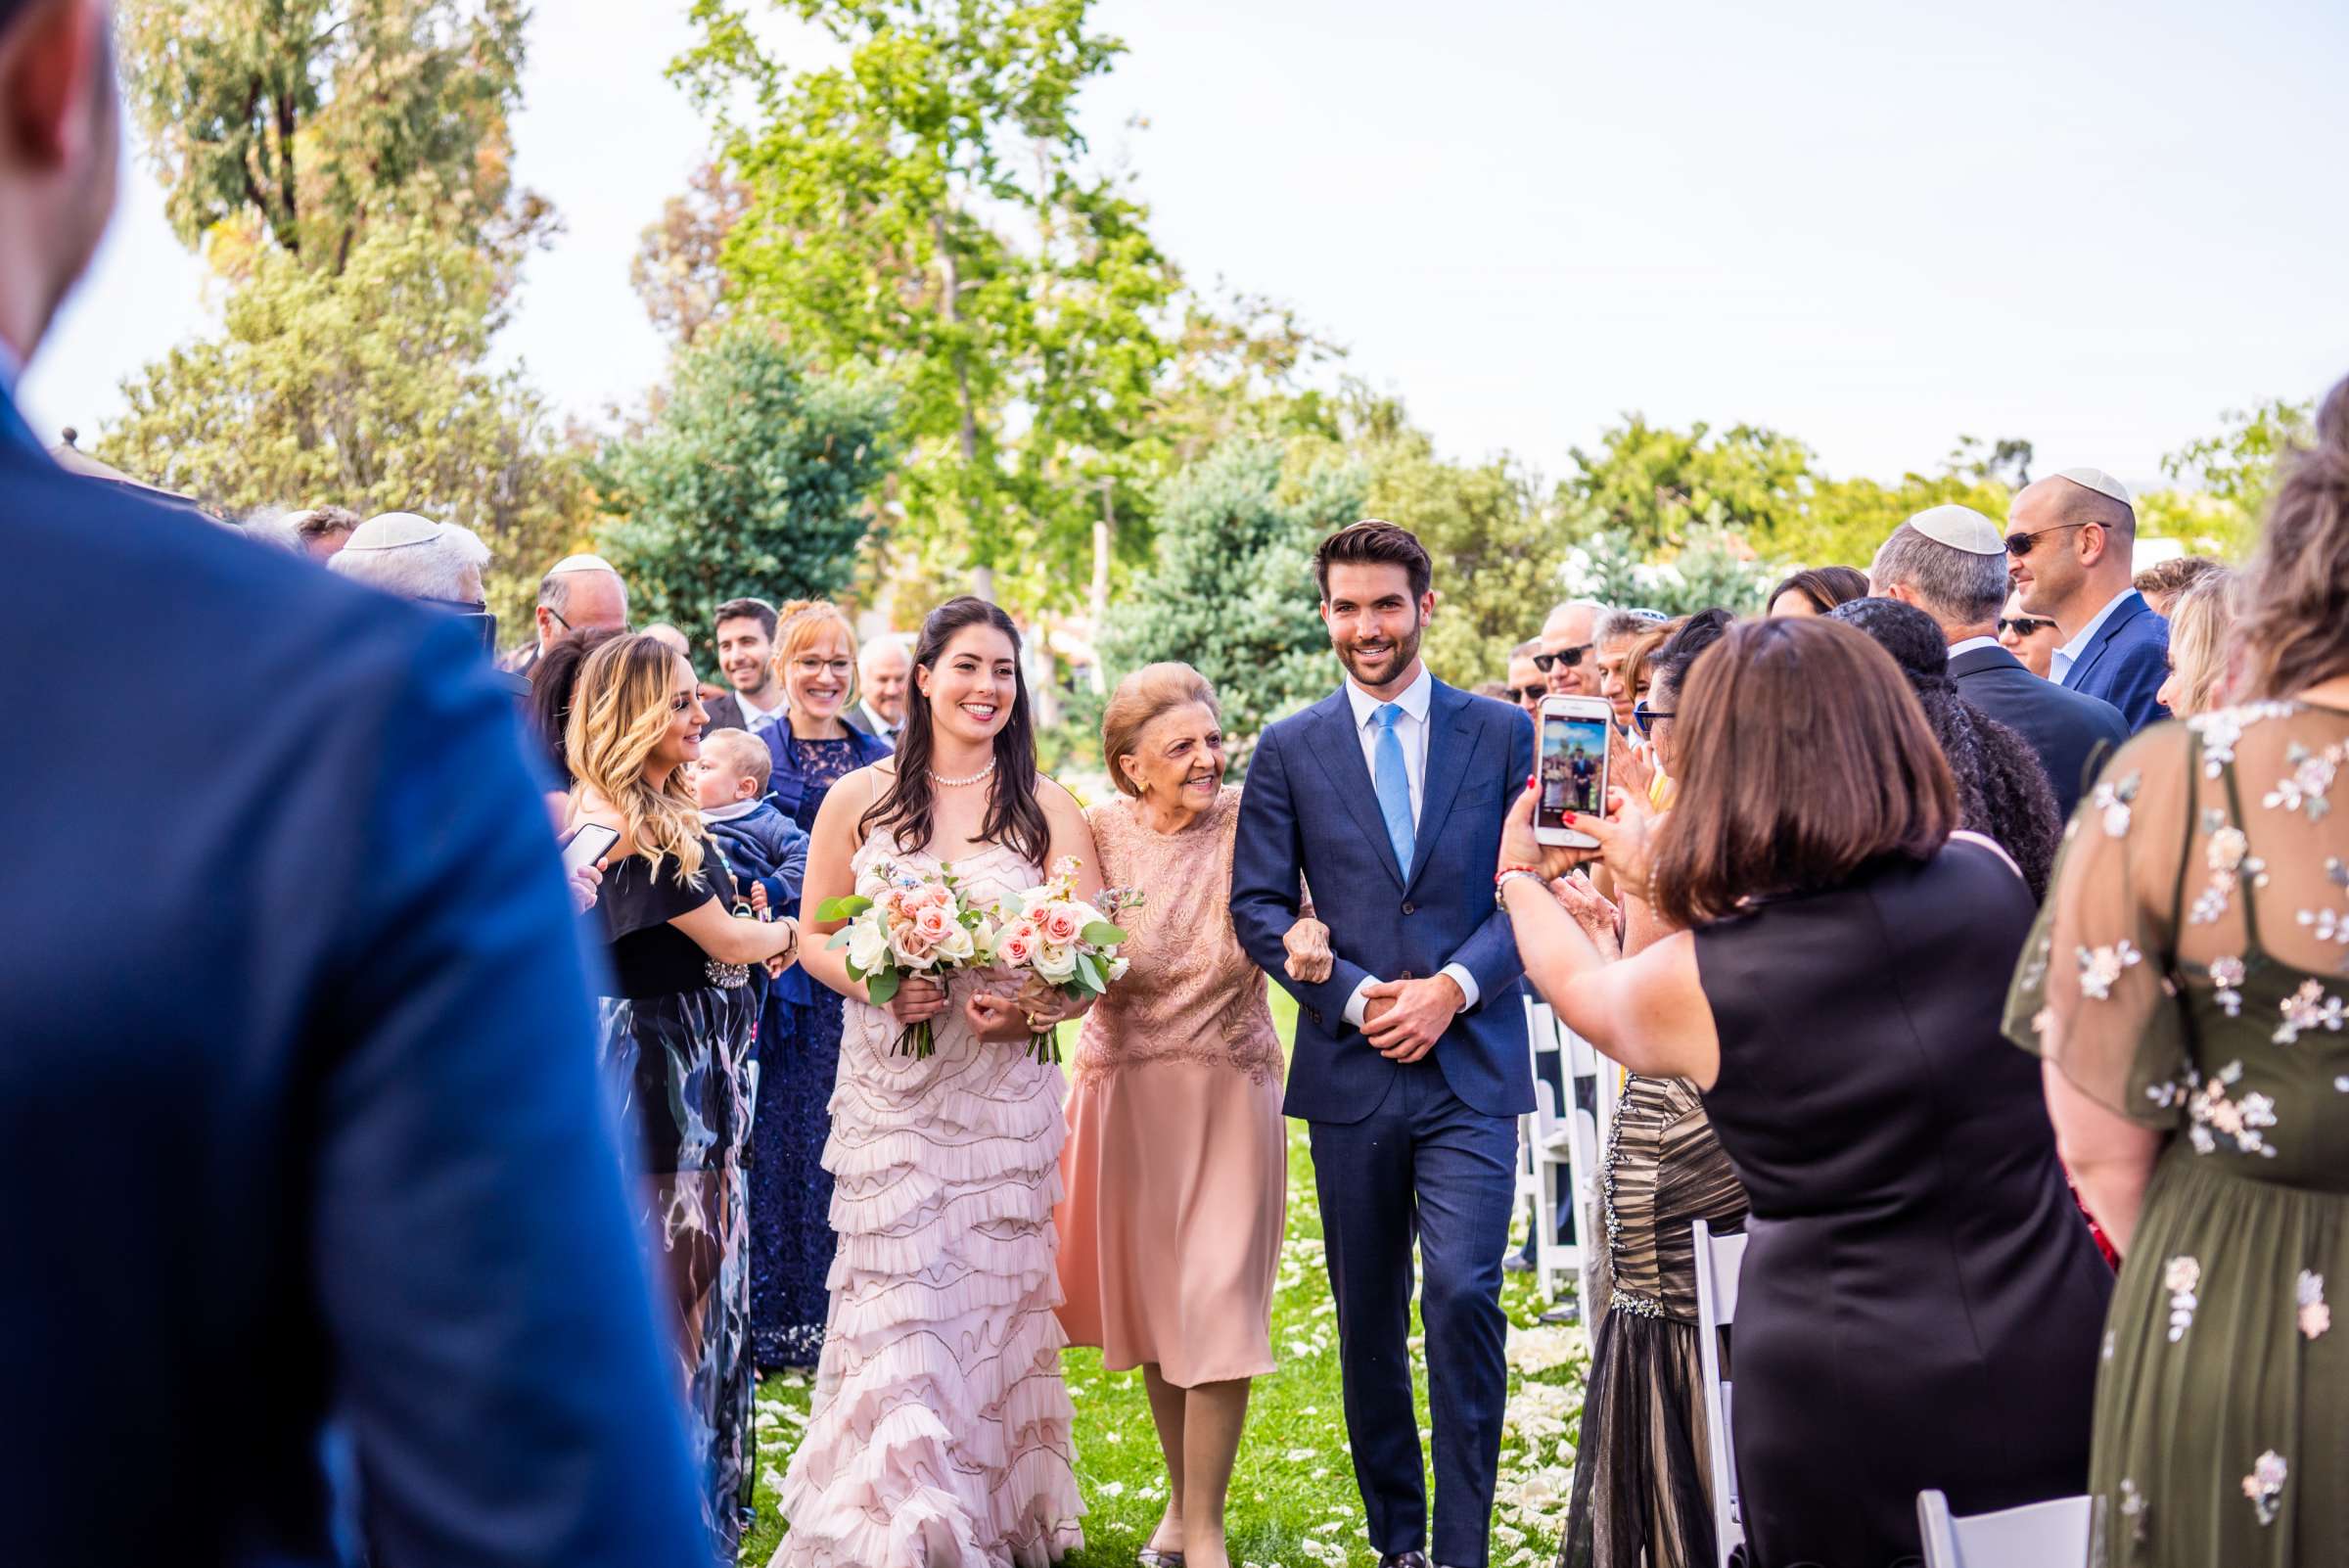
column 1450, row 744
column 1339, row 751
column 2127, row 611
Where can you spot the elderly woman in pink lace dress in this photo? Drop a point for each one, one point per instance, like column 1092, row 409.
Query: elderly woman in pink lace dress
column 1175, row 1166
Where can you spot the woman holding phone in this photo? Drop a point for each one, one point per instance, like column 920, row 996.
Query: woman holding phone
column 678, row 1025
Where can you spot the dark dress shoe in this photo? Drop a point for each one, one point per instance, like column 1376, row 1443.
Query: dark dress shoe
column 1403, row 1559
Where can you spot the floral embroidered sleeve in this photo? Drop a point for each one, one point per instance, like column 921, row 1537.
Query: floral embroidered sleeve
column 2094, row 991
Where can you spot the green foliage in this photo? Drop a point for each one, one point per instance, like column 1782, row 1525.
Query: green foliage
column 1711, row 566
column 923, row 207
column 754, row 478
column 2231, row 477
column 1232, row 593
column 365, row 388
column 1844, row 520
column 1652, row 484
column 300, row 123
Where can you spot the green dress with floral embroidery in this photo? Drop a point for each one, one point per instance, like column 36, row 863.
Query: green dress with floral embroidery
column 2189, row 971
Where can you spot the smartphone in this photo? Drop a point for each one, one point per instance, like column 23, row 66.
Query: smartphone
column 586, row 845
column 1572, row 751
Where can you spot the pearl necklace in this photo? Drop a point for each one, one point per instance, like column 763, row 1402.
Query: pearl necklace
column 945, row 783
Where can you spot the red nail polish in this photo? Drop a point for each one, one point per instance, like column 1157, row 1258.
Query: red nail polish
column 1570, row 817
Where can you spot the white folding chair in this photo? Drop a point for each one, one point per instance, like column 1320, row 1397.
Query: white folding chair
column 1718, row 1260
column 2039, row 1535
column 1583, row 1064
column 1548, row 1144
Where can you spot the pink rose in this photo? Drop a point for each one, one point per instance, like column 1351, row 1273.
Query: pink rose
column 1016, row 947
column 1060, row 924
column 932, row 922
column 910, row 943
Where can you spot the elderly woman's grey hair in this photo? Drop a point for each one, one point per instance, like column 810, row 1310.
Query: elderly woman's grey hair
column 415, row 557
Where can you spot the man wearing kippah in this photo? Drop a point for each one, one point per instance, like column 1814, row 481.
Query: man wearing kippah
column 1949, row 562
column 2068, row 543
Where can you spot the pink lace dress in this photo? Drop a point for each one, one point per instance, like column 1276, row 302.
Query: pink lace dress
column 1176, row 1163
column 939, row 1433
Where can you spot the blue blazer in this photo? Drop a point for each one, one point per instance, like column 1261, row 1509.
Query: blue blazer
column 298, row 1109
column 1309, row 809
column 2127, row 662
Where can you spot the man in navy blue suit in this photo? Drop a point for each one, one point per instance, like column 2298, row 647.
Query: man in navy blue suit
column 299, row 1124
column 1411, row 1064
column 2068, row 542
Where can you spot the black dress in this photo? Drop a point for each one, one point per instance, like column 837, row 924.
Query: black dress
column 674, row 1042
column 1921, row 1302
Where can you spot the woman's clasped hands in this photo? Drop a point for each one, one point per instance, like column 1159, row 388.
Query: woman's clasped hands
column 1623, row 837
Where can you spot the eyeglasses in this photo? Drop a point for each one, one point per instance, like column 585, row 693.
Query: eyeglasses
column 1645, row 716
column 1521, row 695
column 2019, row 545
column 1569, row 656
column 2024, row 626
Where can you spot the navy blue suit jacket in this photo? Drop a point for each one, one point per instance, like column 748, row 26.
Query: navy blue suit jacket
column 298, row 1109
column 2071, row 731
column 1311, row 809
column 2127, row 662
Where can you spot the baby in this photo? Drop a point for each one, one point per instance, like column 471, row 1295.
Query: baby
column 764, row 848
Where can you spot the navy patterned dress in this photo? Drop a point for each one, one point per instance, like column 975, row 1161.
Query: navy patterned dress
column 791, row 1191
column 676, row 1037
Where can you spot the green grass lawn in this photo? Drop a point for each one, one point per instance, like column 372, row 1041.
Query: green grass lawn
column 1293, row 1499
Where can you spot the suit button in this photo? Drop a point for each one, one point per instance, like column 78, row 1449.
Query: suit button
column 1410, row 908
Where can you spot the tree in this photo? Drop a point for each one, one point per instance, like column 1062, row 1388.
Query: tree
column 366, row 390
column 1232, row 593
column 1711, row 566
column 924, row 206
column 1652, row 483
column 296, row 123
column 2227, row 479
column 755, row 479
column 677, row 272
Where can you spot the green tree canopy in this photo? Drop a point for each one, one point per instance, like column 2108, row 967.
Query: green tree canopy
column 755, row 479
column 1232, row 593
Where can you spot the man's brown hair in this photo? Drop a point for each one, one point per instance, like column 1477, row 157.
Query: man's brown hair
column 2175, row 576
column 1804, row 757
column 1374, row 541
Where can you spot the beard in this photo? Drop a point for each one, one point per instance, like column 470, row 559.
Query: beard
column 1380, row 668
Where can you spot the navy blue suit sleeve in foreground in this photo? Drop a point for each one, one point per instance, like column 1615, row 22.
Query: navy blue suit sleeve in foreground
column 498, row 1344
column 2142, row 665
column 1267, row 862
column 1491, row 952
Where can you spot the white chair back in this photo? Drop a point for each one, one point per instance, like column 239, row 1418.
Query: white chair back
column 1718, row 1261
column 1553, row 1139
column 2039, row 1535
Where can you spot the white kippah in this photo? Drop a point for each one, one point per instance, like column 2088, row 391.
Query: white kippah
column 2103, row 483
column 576, row 563
column 1960, row 528
column 394, row 531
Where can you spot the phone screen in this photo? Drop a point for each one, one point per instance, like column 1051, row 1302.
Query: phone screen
column 1574, row 769
column 586, row 845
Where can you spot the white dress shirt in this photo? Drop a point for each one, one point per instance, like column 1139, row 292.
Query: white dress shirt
column 756, row 717
column 1971, row 643
column 1410, row 729
column 2060, row 662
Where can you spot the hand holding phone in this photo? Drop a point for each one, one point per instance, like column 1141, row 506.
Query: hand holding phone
column 588, row 844
column 1570, row 754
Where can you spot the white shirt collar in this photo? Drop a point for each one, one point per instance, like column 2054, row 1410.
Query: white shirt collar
column 2069, row 654
column 1970, row 644
column 728, row 814
column 1415, row 699
column 752, row 711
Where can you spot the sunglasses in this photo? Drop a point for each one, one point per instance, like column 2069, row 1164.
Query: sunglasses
column 2024, row 626
column 2019, row 545
column 1569, row 656
column 1521, row 695
column 1645, row 716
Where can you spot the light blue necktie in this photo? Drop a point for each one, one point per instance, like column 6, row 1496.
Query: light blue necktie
column 1393, row 785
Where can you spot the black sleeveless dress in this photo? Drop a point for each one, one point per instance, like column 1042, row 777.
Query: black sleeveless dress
column 1921, row 1302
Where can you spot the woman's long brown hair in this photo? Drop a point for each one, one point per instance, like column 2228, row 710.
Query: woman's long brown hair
column 1803, row 757
column 1015, row 819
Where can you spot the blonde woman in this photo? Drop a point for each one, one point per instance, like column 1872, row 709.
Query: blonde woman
column 2202, row 618
column 813, row 748
column 1176, row 1166
column 677, row 1026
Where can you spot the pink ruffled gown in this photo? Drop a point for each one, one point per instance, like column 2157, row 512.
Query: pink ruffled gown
column 940, row 1435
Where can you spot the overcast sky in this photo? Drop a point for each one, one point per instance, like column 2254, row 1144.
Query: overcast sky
column 1875, row 227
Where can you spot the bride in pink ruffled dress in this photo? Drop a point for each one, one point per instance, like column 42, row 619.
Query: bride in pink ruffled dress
column 940, row 1435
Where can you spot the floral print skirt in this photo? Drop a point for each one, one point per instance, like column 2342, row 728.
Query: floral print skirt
column 677, row 1064
column 2222, row 1431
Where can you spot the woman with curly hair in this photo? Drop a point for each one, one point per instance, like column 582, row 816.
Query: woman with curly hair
column 2003, row 791
column 677, row 1026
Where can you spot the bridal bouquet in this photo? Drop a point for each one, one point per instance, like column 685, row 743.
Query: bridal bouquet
column 1062, row 943
column 902, row 926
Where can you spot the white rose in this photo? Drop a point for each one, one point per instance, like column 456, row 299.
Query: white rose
column 1056, row 964
column 868, row 945
column 1117, row 969
column 957, row 946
